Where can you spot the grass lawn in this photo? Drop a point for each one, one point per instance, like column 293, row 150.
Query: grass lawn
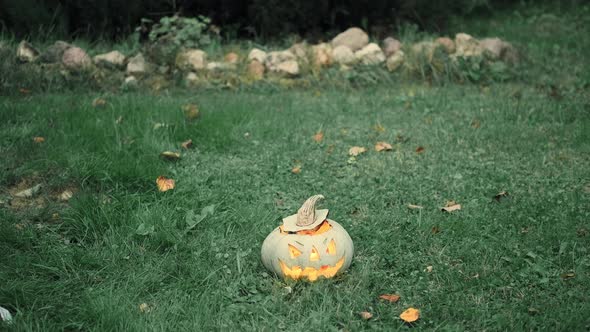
column 495, row 265
column 118, row 255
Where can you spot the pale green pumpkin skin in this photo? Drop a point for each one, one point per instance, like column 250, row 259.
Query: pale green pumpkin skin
column 275, row 247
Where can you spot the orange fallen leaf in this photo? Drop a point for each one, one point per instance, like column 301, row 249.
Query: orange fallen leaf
column 191, row 111
column 296, row 169
column 383, row 146
column 165, row 184
column 393, row 298
column 319, row 136
column 420, row 149
column 451, row 206
column 415, row 207
column 356, row 150
column 38, row 139
column 187, row 144
column 98, row 102
column 173, row 156
column 410, row 315
column 366, row 315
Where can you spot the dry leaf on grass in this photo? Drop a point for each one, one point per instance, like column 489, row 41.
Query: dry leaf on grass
column 98, row 102
column 169, row 155
column 66, row 195
column 296, row 169
column 451, row 206
column 28, row 193
column 24, row 91
column 379, row 128
column 366, row 315
column 165, row 184
column 568, row 275
column 475, row 124
column 415, row 207
column 410, row 315
column 383, row 146
column 393, row 298
column 500, row 195
column 356, row 150
column 187, row 144
column 144, row 307
column 191, row 111
column 429, row 268
column 420, row 149
column 435, row 230
column 38, row 139
column 319, row 136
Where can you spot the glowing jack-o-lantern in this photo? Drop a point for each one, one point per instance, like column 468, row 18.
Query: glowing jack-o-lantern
column 308, row 245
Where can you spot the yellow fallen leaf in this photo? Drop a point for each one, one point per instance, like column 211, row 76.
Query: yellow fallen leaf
column 296, row 169
column 415, row 207
column 410, row 315
column 356, row 150
column 191, row 111
column 38, row 139
column 187, row 144
column 383, row 146
column 451, row 206
column 98, row 102
column 393, row 298
column 144, row 307
column 165, row 184
column 319, row 136
column 366, row 315
column 173, row 156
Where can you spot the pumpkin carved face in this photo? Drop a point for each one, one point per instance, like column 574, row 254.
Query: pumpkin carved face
column 322, row 248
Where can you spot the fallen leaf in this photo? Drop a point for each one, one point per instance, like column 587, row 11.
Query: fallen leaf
column 187, row 144
column 475, row 124
column 524, row 230
column 366, row 315
column 451, row 206
column 435, row 230
column 568, row 275
column 410, row 315
column 246, row 135
column 119, row 119
column 5, row 315
column 393, row 298
column 319, row 136
column 159, row 125
column 533, row 311
column 419, row 149
column 379, row 128
column 429, row 268
column 66, row 195
column 98, row 102
column 38, row 139
column 24, row 91
column 30, row 192
column 330, row 148
column 415, row 207
column 500, row 195
column 356, row 150
column 296, row 169
column 191, row 111
column 383, row 146
column 165, row 184
column 172, row 156
column 144, row 307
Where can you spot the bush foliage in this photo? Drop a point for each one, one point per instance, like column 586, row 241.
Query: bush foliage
column 251, row 18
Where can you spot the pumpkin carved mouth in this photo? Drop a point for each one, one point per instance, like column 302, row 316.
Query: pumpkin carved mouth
column 311, row 273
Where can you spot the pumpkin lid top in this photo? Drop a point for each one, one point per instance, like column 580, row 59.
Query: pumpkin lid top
column 307, row 217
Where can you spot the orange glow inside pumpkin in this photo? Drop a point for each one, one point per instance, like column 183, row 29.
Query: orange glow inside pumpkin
column 311, row 273
column 315, row 255
column 321, row 228
column 294, row 252
column 331, row 249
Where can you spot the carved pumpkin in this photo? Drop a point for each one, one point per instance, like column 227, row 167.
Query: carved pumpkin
column 308, row 245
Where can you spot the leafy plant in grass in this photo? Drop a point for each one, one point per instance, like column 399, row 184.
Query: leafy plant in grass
column 172, row 33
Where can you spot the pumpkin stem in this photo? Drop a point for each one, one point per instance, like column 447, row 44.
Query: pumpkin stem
column 306, row 214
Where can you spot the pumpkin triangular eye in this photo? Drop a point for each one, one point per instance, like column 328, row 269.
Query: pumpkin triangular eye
column 331, row 249
column 315, row 255
column 294, row 252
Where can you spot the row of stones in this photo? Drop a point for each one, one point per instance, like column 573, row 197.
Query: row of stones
column 347, row 49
